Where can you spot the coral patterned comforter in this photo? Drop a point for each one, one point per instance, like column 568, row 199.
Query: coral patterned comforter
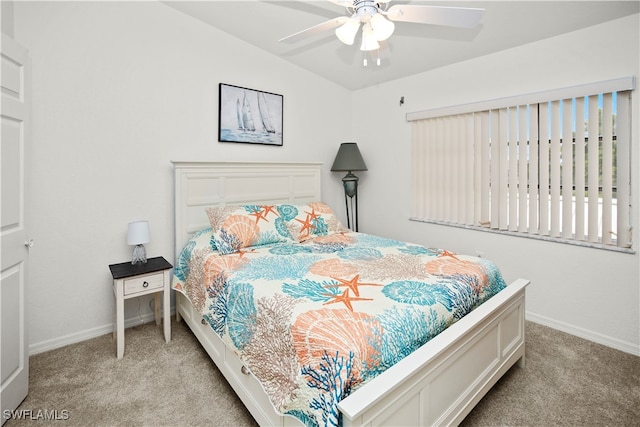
column 313, row 321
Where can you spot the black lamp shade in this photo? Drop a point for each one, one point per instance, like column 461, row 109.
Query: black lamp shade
column 348, row 158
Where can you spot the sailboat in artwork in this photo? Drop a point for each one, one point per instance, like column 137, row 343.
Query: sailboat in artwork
column 245, row 116
column 265, row 114
column 245, row 119
column 239, row 114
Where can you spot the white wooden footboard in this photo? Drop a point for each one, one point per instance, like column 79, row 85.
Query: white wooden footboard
column 443, row 380
column 438, row 384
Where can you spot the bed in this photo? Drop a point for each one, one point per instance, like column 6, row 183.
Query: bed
column 437, row 383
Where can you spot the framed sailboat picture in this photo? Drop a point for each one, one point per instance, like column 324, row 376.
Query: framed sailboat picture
column 249, row 116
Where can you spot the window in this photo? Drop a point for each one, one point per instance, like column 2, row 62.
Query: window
column 553, row 165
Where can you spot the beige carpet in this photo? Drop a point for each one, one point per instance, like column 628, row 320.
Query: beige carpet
column 567, row 381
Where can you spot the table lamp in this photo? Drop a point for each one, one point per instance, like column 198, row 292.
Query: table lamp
column 138, row 234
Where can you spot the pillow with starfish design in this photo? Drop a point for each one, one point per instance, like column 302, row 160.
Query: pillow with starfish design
column 312, row 220
column 241, row 226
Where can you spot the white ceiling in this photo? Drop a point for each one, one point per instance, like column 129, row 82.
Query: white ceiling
column 413, row 48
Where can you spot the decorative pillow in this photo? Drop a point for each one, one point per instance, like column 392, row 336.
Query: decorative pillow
column 236, row 227
column 200, row 239
column 312, row 220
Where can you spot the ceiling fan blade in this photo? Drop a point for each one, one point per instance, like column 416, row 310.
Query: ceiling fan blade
column 464, row 17
column 345, row 3
column 316, row 29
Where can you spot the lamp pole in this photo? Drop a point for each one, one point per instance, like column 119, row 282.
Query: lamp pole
column 350, row 183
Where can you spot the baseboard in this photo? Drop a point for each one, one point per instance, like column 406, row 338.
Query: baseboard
column 625, row 346
column 88, row 334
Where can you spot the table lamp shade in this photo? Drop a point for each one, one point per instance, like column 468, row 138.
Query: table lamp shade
column 138, row 233
column 348, row 158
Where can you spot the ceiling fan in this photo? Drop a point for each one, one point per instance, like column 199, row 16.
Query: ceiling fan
column 376, row 18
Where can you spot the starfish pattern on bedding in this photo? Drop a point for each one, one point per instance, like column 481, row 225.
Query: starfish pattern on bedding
column 345, row 298
column 306, row 225
column 261, row 214
column 312, row 215
column 269, row 209
column 449, row 254
column 351, row 284
column 243, row 251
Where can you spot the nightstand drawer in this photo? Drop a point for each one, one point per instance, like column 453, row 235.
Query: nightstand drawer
column 143, row 283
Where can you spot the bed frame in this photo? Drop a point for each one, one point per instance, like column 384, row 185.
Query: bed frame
column 438, row 384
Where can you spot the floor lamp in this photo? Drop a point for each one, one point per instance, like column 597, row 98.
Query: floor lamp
column 348, row 160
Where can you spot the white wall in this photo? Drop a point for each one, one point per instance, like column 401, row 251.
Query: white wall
column 119, row 90
column 588, row 292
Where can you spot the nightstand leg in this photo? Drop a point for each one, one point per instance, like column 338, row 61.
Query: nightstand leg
column 120, row 324
column 166, row 306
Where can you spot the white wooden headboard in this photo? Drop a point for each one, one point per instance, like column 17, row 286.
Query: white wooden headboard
column 198, row 185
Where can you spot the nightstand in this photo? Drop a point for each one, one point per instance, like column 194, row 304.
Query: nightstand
column 134, row 280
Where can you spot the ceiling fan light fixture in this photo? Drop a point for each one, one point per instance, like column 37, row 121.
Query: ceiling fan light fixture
column 369, row 41
column 382, row 27
column 346, row 33
column 378, row 21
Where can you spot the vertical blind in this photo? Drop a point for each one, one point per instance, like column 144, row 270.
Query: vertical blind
column 557, row 167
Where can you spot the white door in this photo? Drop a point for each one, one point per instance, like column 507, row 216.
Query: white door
column 14, row 110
